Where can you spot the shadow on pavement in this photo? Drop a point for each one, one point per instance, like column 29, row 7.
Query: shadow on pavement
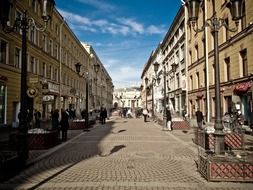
column 74, row 151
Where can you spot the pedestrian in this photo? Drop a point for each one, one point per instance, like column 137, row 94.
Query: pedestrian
column 168, row 117
column 37, row 117
column 199, row 117
column 145, row 114
column 103, row 115
column 64, row 124
column 83, row 113
column 55, row 119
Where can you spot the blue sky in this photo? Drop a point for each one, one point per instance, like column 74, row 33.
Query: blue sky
column 122, row 32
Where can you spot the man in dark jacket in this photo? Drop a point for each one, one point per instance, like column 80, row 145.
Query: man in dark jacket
column 199, row 117
column 103, row 115
column 168, row 117
column 64, row 124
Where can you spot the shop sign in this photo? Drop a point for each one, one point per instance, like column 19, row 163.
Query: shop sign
column 47, row 98
column 242, row 87
column 32, row 92
column 53, row 87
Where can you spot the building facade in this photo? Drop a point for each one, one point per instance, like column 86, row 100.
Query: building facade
column 170, row 51
column 235, row 61
column 51, row 57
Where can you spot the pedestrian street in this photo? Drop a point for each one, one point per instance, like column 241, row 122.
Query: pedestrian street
column 124, row 153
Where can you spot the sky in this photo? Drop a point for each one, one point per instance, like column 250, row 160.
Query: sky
column 123, row 33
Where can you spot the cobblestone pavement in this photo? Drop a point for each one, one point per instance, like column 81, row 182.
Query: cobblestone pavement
column 122, row 154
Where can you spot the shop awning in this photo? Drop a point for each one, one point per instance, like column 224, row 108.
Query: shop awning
column 242, row 87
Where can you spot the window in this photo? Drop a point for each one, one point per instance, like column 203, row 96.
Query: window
column 56, row 51
column 244, row 62
column 34, row 5
column 213, row 6
column 191, row 87
column 44, row 42
column 182, row 54
column 190, row 56
column 18, row 16
column 50, row 47
column 32, row 34
column 49, row 72
column 44, row 69
column 197, row 80
column 226, row 31
column 178, row 81
column 227, row 68
column 32, row 65
column 197, row 52
column 3, row 52
column 17, row 63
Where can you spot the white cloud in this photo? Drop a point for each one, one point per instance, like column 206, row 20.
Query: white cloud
column 135, row 26
column 155, row 30
column 121, row 26
column 102, row 5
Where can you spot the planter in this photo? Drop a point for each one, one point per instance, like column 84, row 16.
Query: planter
column 232, row 140
column 39, row 141
column 225, row 169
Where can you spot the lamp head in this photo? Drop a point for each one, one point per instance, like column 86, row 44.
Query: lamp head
column 236, row 9
column 193, row 9
column 158, row 80
column 96, row 67
column 47, row 7
column 146, row 80
column 156, row 66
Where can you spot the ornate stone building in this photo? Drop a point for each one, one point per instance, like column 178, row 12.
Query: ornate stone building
column 235, row 58
column 51, row 59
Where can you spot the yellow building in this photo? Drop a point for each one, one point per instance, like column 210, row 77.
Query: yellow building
column 51, row 58
column 235, row 61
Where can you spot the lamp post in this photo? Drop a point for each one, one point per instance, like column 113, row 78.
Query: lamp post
column 215, row 24
column 146, row 90
column 24, row 24
column 173, row 69
column 86, row 77
column 96, row 68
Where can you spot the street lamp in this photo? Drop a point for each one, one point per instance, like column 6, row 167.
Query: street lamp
column 24, row 24
column 146, row 83
column 86, row 77
column 96, row 68
column 215, row 24
column 173, row 70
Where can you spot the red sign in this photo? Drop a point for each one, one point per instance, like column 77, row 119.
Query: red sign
column 242, row 87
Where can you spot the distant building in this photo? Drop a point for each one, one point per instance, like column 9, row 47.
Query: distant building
column 127, row 97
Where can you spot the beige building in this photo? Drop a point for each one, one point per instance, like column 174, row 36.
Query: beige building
column 235, row 58
column 51, row 59
column 127, row 97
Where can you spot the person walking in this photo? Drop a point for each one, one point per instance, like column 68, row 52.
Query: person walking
column 37, row 116
column 145, row 114
column 199, row 117
column 168, row 117
column 64, row 124
column 103, row 115
column 55, row 119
